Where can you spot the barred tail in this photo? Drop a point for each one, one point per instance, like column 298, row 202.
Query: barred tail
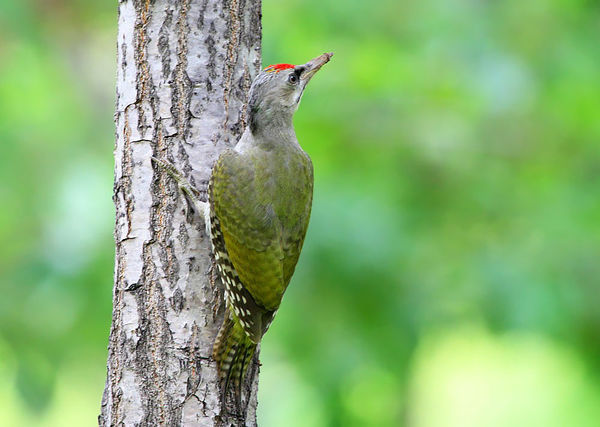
column 233, row 351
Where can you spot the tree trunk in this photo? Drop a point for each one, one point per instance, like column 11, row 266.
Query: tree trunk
column 184, row 69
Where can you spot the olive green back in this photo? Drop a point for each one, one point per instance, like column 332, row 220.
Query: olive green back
column 263, row 201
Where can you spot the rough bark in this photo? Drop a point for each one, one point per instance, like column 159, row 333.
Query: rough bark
column 184, row 69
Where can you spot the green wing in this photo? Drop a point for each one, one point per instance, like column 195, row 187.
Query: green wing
column 262, row 224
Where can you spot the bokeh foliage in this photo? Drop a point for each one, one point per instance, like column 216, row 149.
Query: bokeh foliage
column 450, row 274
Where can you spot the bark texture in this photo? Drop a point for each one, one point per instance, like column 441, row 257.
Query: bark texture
column 184, row 69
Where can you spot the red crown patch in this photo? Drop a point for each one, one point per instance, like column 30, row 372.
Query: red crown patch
column 278, row 67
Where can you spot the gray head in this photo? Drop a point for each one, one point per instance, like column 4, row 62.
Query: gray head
column 276, row 93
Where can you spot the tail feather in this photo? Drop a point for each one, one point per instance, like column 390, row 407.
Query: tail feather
column 233, row 351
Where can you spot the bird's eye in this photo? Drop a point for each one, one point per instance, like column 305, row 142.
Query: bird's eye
column 293, row 78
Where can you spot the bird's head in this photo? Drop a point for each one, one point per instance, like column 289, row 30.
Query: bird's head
column 277, row 90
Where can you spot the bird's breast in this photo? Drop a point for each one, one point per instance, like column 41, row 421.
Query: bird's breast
column 285, row 180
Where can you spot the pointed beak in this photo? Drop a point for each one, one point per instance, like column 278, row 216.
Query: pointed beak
column 311, row 67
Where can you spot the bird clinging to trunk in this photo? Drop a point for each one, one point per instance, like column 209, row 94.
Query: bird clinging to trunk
column 259, row 197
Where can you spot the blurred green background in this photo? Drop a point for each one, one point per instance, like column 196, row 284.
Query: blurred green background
column 451, row 272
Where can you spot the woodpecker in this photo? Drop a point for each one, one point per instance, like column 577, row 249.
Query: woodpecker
column 260, row 198
column 259, row 203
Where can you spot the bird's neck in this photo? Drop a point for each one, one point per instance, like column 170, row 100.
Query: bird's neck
column 272, row 130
